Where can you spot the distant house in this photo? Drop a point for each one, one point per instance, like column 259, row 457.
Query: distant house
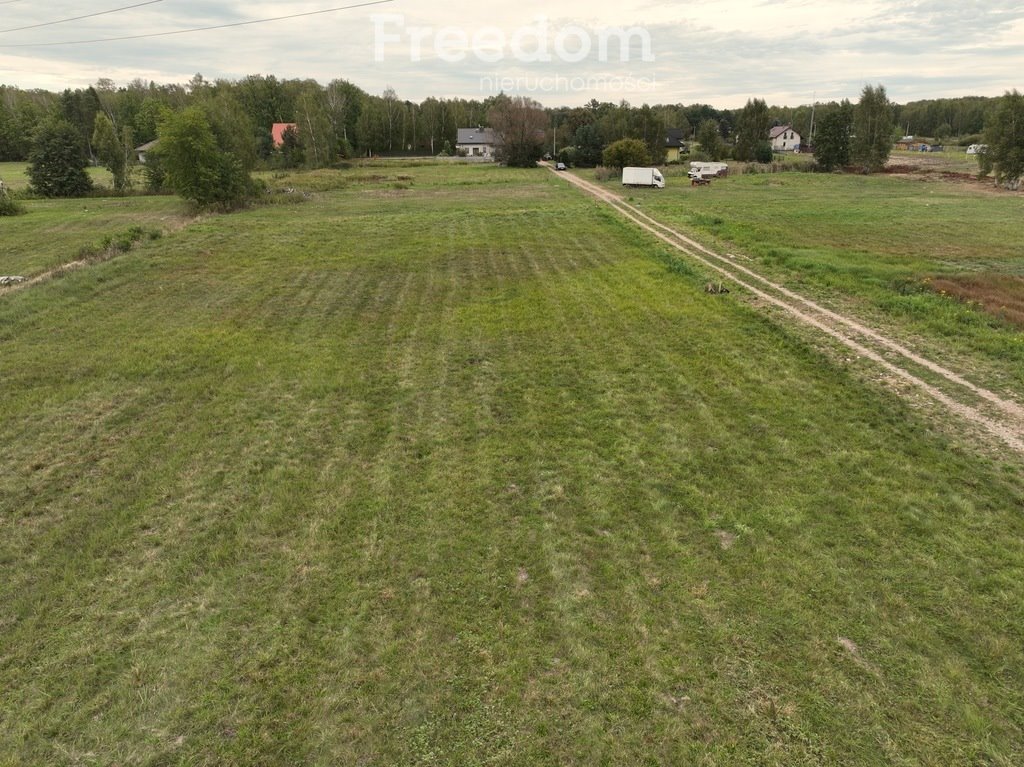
column 277, row 133
column 476, row 142
column 911, row 144
column 784, row 139
column 674, row 145
column 142, row 151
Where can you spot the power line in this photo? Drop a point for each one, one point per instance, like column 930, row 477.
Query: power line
column 8, row 2
column 79, row 18
column 197, row 29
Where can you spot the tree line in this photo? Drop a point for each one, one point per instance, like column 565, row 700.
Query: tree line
column 342, row 120
column 104, row 123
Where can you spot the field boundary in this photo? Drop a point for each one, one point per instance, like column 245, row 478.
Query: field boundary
column 1005, row 417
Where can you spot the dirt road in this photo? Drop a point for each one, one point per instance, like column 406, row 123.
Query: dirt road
column 993, row 413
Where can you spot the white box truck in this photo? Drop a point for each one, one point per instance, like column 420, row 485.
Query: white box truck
column 643, row 177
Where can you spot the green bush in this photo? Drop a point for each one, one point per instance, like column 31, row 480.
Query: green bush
column 9, row 206
column 763, row 153
column 119, row 242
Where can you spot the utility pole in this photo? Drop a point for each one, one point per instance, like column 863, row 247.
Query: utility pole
column 814, row 103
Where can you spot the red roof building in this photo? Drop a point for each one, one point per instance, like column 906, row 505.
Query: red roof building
column 278, row 133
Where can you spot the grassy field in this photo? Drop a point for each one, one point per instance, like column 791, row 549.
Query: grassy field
column 15, row 175
column 450, row 466
column 56, row 232
column 938, row 260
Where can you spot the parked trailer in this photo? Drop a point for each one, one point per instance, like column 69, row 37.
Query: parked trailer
column 643, row 177
column 707, row 169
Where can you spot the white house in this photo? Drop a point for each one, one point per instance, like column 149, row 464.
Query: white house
column 142, row 151
column 784, row 139
column 476, row 142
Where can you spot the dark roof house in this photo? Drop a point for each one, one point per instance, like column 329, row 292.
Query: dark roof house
column 475, row 137
column 674, row 138
column 476, row 142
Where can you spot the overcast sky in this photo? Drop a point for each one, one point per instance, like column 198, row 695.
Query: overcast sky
column 720, row 52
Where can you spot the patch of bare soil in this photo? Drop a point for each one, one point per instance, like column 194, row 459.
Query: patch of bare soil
column 901, row 169
column 725, row 539
column 936, row 167
column 854, row 651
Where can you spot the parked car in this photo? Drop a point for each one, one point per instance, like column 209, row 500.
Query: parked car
column 560, row 166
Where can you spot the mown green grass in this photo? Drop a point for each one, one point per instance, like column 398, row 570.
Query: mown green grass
column 874, row 241
column 56, row 232
column 445, row 475
column 15, row 175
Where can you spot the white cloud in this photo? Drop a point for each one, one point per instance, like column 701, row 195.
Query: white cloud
column 717, row 51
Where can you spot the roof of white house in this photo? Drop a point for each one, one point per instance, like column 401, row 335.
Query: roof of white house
column 475, row 136
column 778, row 130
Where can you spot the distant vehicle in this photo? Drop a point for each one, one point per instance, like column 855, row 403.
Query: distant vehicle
column 977, row 149
column 643, row 177
column 707, row 169
column 560, row 166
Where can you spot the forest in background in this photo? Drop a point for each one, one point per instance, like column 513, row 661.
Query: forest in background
column 341, row 119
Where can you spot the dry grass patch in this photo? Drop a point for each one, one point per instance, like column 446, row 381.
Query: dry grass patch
column 1001, row 295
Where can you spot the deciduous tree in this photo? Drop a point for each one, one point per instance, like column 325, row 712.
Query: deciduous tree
column 1004, row 134
column 752, row 130
column 57, row 161
column 710, row 140
column 832, row 141
column 195, row 166
column 872, row 125
column 626, row 153
column 114, row 152
column 588, row 146
column 518, row 124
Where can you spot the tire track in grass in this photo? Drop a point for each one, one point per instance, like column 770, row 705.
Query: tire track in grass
column 840, row 328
